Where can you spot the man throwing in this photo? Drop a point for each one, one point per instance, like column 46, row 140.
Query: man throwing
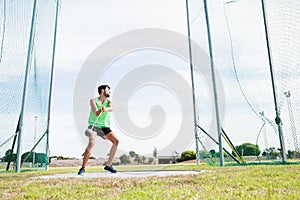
column 99, row 122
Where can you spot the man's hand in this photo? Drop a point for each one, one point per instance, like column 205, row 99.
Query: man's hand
column 98, row 112
column 103, row 109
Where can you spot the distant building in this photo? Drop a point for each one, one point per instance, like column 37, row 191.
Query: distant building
column 167, row 159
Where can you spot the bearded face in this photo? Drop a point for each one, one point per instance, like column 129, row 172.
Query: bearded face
column 106, row 92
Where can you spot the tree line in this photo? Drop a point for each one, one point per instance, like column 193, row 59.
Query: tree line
column 38, row 158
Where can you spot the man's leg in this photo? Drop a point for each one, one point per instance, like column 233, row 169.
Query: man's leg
column 115, row 141
column 88, row 150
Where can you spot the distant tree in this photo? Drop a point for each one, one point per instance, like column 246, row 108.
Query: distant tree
column 155, row 152
column 28, row 156
column 41, row 158
column 187, row 155
column 143, row 159
column 137, row 159
column 132, row 154
column 212, row 153
column 271, row 153
column 9, row 156
column 248, row 149
column 293, row 154
column 217, row 154
column 64, row 158
column 150, row 160
column 124, row 159
column 60, row 158
column 203, row 154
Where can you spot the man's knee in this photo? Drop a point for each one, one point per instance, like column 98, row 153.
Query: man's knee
column 112, row 137
column 92, row 141
column 115, row 141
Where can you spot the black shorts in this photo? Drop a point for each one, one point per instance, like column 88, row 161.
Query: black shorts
column 101, row 131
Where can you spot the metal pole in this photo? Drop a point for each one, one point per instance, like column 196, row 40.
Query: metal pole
column 34, row 139
column 28, row 63
column 214, row 85
column 277, row 119
column 8, row 139
column 291, row 114
column 192, row 80
column 3, row 30
column 51, row 81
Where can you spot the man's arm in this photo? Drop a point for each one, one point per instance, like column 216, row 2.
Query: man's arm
column 94, row 107
column 109, row 108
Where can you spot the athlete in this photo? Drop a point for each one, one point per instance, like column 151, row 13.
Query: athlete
column 99, row 122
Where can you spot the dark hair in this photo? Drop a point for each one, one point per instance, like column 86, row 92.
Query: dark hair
column 102, row 87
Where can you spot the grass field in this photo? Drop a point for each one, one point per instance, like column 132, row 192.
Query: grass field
column 229, row 182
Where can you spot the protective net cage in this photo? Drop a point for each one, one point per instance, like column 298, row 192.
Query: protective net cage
column 27, row 30
column 244, row 81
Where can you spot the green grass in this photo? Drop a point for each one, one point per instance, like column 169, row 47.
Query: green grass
column 229, row 182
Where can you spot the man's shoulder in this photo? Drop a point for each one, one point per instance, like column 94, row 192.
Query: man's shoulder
column 93, row 99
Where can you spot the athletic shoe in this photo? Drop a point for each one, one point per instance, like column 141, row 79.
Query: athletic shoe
column 110, row 168
column 81, row 171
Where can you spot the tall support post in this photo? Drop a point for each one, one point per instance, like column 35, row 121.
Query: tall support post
column 34, row 139
column 28, row 64
column 51, row 81
column 3, row 30
column 192, row 80
column 277, row 119
column 293, row 127
column 13, row 144
column 219, row 128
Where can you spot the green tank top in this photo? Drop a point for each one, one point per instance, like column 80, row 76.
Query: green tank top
column 104, row 120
